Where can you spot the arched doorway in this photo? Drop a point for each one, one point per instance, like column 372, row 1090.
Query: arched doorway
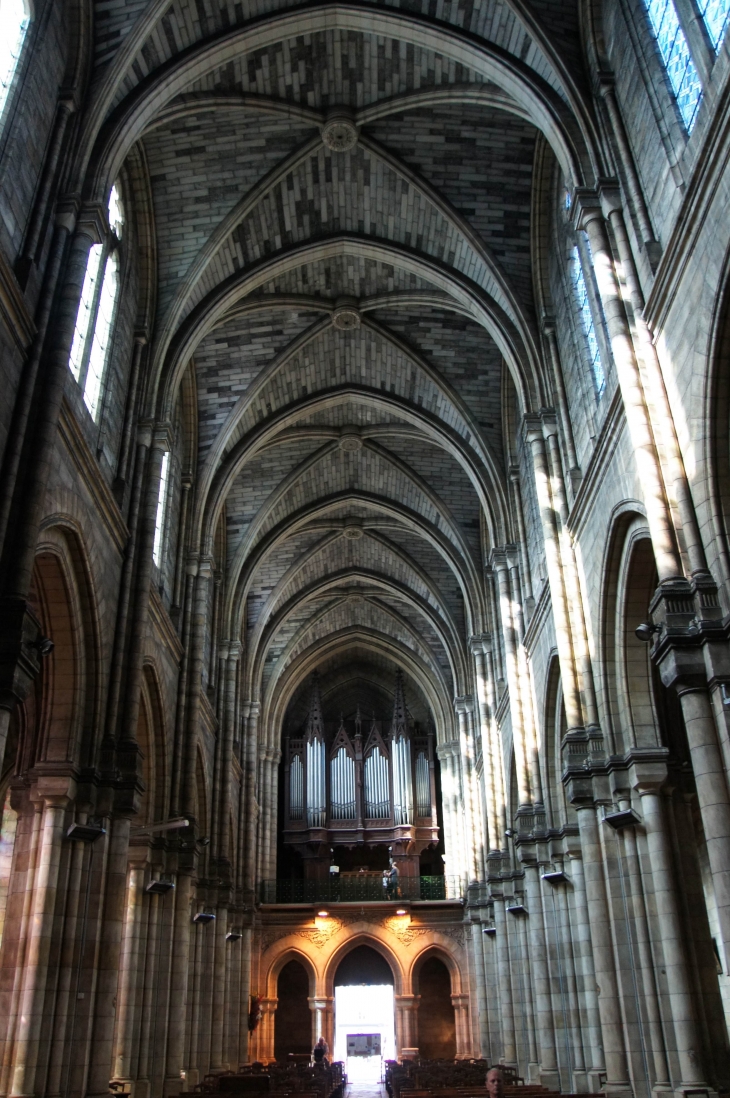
column 293, row 1018
column 436, row 1019
column 364, row 1014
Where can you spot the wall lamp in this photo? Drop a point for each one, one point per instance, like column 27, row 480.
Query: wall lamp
column 646, row 631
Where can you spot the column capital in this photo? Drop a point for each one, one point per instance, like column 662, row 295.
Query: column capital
column 532, row 427
column 464, row 703
column 585, row 207
column 93, row 222
column 480, row 643
column 162, row 436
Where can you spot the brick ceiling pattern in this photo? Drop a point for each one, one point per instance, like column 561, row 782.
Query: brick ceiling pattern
column 357, row 466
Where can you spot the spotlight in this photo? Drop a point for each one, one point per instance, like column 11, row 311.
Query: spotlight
column 43, row 646
column 646, row 631
column 322, row 914
column 401, row 911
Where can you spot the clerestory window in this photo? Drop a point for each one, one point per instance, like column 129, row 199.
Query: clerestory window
column 95, row 317
column 14, row 23
column 587, row 322
column 678, row 63
column 161, row 513
column 716, row 15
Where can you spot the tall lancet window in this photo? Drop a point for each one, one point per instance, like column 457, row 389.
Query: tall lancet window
column 316, row 762
column 97, row 307
column 716, row 14
column 14, row 23
column 401, row 756
column 678, row 63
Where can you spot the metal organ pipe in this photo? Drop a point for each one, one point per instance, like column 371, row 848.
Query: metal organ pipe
column 423, row 786
column 402, row 786
column 316, row 803
column 377, row 794
column 296, row 788
column 342, row 791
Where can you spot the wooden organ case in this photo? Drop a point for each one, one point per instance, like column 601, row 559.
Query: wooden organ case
column 360, row 788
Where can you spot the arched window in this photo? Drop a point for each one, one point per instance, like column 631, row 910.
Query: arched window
column 677, row 59
column 716, row 14
column 95, row 318
column 586, row 316
column 161, row 513
column 14, row 21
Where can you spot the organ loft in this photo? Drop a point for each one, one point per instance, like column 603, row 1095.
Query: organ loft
column 362, row 786
column 364, row 548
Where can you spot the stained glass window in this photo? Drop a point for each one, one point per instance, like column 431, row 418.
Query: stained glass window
column 14, row 20
column 716, row 14
column 676, row 57
column 95, row 316
column 589, row 328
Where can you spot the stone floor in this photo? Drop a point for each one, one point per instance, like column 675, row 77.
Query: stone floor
column 366, row 1090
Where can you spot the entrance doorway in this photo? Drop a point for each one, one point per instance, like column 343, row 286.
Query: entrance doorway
column 364, row 1015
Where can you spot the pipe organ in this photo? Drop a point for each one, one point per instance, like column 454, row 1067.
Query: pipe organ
column 353, row 786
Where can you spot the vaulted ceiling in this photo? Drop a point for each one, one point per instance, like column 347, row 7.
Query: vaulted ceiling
column 342, row 198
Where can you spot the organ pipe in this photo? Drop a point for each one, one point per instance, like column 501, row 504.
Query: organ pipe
column 377, row 793
column 342, row 786
column 402, row 786
column 423, row 786
column 296, row 788
column 316, row 799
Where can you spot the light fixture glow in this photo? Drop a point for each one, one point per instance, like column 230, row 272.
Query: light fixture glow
column 401, row 911
column 322, row 914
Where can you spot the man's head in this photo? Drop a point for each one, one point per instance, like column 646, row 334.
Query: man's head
column 495, row 1083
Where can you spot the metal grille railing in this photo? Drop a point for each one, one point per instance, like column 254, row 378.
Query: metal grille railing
column 355, row 889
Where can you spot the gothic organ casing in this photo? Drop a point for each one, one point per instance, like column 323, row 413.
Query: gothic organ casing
column 360, row 783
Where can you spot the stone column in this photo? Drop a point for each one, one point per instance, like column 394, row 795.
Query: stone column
column 460, row 1004
column 482, row 1019
column 178, row 985
column 672, row 938
column 101, row 1041
column 197, row 648
column 617, row 1068
column 464, row 706
column 323, row 1011
column 219, row 990
column 645, row 958
column 456, row 862
column 712, row 795
column 509, row 1047
column 406, row 1007
column 549, row 1076
column 147, row 1066
column 126, row 1014
column 588, row 216
column 266, row 1029
column 586, row 986
column 250, row 807
column 561, row 616
column 480, row 647
column 38, row 948
column 509, row 631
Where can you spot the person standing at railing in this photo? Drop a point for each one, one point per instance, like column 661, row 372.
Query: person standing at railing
column 391, row 881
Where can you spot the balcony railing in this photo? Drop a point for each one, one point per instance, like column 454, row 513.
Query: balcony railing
column 342, row 890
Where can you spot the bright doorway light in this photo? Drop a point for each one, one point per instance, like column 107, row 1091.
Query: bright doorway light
column 363, row 1008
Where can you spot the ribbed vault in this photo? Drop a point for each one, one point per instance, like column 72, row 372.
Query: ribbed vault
column 342, row 203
